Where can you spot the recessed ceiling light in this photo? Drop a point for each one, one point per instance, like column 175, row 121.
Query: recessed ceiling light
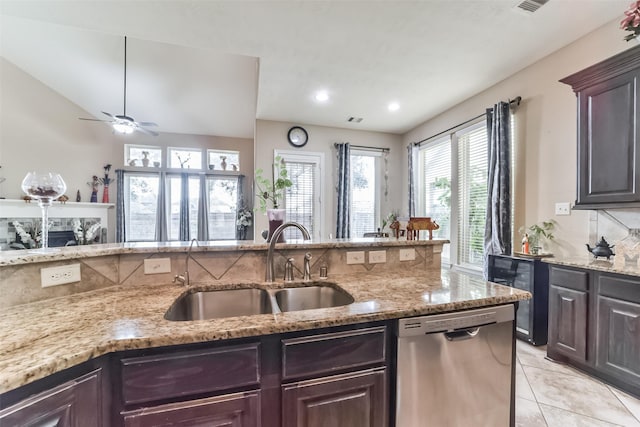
column 322, row 96
column 394, row 106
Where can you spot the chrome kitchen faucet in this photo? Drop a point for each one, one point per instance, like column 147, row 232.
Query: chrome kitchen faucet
column 184, row 279
column 276, row 234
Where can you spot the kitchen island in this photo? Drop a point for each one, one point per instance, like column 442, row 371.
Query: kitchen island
column 107, row 328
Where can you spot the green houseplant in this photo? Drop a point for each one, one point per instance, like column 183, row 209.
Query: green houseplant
column 538, row 233
column 272, row 190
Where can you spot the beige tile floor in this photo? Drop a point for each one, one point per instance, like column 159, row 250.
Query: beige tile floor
column 555, row 395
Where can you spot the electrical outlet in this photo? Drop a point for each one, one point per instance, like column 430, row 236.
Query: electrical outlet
column 563, row 208
column 157, row 265
column 407, row 254
column 377, row 257
column 54, row 276
column 355, row 257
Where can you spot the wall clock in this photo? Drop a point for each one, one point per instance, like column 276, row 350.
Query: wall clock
column 297, row 136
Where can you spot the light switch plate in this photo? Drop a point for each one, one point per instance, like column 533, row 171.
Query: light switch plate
column 54, row 276
column 563, row 208
column 157, row 265
column 377, row 257
column 356, row 257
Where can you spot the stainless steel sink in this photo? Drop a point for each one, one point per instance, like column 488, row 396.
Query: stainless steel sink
column 306, row 298
column 219, row 304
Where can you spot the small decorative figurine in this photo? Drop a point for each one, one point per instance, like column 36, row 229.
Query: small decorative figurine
column 95, row 182
column 106, row 181
column 525, row 243
column 78, row 198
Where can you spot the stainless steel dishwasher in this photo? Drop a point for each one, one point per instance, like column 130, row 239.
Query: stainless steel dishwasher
column 455, row 369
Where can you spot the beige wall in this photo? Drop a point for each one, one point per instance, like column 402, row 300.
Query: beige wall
column 272, row 135
column 40, row 130
column 546, row 122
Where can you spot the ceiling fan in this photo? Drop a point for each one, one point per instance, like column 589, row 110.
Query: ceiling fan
column 121, row 122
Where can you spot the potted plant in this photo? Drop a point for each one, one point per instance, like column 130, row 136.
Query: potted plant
column 536, row 234
column 273, row 191
column 631, row 21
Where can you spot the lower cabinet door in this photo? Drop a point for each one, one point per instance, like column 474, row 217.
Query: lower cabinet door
column 356, row 399
column 568, row 322
column 75, row 403
column 618, row 344
column 234, row 410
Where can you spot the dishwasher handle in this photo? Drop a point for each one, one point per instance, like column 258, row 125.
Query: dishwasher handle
column 462, row 334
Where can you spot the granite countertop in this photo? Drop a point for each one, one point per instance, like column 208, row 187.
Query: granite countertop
column 614, row 265
column 78, row 252
column 39, row 339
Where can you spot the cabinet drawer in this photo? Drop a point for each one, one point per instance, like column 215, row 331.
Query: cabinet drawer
column 321, row 354
column 572, row 279
column 623, row 288
column 150, row 378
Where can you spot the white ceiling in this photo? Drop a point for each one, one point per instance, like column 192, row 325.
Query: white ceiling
column 193, row 64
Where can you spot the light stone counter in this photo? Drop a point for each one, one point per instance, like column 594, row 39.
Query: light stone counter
column 13, row 257
column 44, row 337
column 612, row 266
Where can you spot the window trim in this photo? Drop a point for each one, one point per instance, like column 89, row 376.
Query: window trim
column 377, row 155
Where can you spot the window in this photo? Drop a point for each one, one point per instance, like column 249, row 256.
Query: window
column 452, row 189
column 186, row 158
column 434, row 199
column 365, row 190
column 223, row 201
column 303, row 199
column 134, row 155
column 223, row 160
column 175, row 195
column 141, row 203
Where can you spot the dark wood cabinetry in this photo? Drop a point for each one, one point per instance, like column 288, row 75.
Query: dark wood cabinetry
column 531, row 275
column 353, row 399
column 75, row 403
column 608, row 132
column 594, row 324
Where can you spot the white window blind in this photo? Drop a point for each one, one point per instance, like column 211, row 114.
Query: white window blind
column 299, row 198
column 434, row 199
column 472, row 194
column 303, row 200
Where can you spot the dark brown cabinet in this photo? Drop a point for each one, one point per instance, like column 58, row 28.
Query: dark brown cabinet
column 618, row 328
column 608, row 132
column 594, row 324
column 237, row 410
column 353, row 399
column 75, row 403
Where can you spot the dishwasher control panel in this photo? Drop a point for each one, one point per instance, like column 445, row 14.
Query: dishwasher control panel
column 452, row 321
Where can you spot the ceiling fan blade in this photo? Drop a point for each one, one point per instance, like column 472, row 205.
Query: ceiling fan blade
column 107, row 114
column 147, row 131
column 147, row 124
column 94, row 120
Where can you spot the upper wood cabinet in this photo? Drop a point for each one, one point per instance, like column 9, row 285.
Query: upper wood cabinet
column 608, row 132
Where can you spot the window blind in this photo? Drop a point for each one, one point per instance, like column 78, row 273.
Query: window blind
column 472, row 193
column 435, row 199
column 299, row 198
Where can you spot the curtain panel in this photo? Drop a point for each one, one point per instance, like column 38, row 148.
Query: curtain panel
column 183, row 230
column 121, row 234
column 342, row 214
column 162, row 233
column 412, row 151
column 497, row 236
column 203, row 210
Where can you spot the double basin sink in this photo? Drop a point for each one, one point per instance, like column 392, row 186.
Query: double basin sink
column 216, row 304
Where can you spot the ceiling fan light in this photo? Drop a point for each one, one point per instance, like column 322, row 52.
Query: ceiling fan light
column 123, row 128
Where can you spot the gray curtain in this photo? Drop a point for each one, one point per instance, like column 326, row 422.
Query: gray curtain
column 203, row 210
column 411, row 150
column 240, row 203
column 162, row 234
column 120, row 219
column 183, row 231
column 497, row 235
column 342, row 215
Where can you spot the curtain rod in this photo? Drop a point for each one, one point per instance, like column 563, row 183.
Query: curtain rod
column 515, row 101
column 363, row 147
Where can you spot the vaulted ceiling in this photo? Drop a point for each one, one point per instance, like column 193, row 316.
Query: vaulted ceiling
column 213, row 67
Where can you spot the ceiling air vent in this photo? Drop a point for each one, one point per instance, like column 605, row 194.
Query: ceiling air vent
column 531, row 5
column 354, row 119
